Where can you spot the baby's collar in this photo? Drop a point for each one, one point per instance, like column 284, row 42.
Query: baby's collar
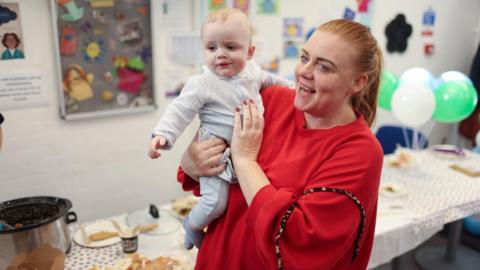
column 241, row 75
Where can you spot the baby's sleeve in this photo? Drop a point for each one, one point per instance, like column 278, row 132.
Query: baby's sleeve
column 269, row 79
column 181, row 111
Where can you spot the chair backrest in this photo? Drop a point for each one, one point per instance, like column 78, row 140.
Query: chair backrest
column 391, row 136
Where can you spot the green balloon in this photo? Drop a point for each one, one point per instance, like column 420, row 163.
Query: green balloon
column 455, row 101
column 388, row 85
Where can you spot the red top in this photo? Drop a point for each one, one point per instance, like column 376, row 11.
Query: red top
column 322, row 229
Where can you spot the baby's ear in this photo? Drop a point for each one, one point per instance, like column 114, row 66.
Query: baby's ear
column 251, row 51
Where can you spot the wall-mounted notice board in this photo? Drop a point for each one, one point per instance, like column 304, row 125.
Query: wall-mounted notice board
column 104, row 55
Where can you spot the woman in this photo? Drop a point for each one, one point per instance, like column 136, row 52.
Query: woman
column 307, row 196
column 11, row 42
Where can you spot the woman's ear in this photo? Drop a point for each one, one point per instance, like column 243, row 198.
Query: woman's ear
column 359, row 83
column 251, row 51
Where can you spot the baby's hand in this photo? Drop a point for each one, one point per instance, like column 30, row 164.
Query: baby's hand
column 157, row 143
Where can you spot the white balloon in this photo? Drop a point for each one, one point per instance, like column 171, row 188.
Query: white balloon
column 413, row 104
column 418, row 75
column 453, row 76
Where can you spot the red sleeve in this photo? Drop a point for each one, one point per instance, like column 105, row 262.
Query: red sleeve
column 188, row 184
column 321, row 230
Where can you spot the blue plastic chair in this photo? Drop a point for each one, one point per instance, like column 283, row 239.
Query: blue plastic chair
column 391, row 136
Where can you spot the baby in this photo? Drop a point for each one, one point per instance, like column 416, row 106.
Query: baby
column 228, row 79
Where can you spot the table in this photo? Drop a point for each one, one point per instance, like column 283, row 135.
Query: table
column 151, row 246
column 437, row 195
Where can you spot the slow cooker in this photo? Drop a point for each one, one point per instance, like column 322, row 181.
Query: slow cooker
column 31, row 222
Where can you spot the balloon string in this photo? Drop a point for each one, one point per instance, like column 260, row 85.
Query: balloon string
column 415, row 140
column 405, row 136
column 424, row 139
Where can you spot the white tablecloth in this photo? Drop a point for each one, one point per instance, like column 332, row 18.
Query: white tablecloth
column 151, row 246
column 436, row 195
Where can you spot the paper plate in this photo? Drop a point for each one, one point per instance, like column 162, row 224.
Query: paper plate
column 167, row 222
column 393, row 190
column 103, row 225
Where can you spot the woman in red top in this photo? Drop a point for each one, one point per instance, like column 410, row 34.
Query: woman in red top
column 309, row 173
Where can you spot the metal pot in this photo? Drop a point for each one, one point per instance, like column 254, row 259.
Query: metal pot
column 32, row 222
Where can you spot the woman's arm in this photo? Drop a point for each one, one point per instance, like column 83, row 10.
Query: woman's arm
column 321, row 228
column 246, row 140
column 202, row 158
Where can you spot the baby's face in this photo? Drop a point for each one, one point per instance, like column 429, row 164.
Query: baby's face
column 226, row 46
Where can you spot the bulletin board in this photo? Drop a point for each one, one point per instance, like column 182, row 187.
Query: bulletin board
column 104, row 55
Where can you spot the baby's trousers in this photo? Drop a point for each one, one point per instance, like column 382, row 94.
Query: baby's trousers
column 213, row 190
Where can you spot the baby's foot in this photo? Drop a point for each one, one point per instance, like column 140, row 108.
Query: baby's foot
column 193, row 236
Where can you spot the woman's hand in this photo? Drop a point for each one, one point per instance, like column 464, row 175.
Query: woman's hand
column 202, row 158
column 246, row 141
column 247, row 133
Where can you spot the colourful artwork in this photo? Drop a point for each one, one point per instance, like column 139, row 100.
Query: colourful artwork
column 363, row 5
column 102, row 3
column 348, row 14
column 216, row 4
column 111, row 41
column 242, row 5
column 290, row 49
column 73, row 12
column 269, row 7
column 77, row 83
column 11, row 32
column 292, row 27
column 130, row 32
column 68, row 40
column 94, row 50
column 429, row 17
column 364, row 12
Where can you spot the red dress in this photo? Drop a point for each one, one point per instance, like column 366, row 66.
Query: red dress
column 325, row 226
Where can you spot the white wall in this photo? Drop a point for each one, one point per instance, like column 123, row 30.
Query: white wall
column 101, row 164
column 456, row 37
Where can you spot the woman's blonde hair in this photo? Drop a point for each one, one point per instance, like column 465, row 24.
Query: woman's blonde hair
column 368, row 59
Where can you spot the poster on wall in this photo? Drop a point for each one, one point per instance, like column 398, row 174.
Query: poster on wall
column 243, row 5
column 214, row 5
column 104, row 52
column 267, row 7
column 22, row 88
column 11, row 32
column 293, row 36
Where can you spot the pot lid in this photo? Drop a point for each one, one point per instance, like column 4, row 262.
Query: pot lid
column 167, row 223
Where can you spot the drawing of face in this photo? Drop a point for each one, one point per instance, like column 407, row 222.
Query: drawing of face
column 74, row 77
column 11, row 42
